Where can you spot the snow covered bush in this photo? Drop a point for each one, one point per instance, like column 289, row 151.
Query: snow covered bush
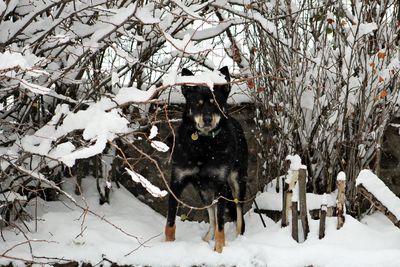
column 325, row 75
column 78, row 76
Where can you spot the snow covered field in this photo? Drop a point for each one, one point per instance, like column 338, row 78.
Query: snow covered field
column 373, row 242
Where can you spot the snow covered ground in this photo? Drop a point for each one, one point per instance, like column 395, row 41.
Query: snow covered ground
column 372, row 242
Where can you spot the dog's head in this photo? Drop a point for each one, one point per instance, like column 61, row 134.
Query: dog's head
column 205, row 107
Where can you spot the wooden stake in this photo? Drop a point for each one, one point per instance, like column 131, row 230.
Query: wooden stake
column 285, row 186
column 303, row 202
column 322, row 221
column 295, row 226
column 340, row 203
column 289, row 195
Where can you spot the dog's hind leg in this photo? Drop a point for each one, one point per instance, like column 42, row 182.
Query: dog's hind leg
column 219, row 229
column 211, row 229
column 238, row 189
column 207, row 198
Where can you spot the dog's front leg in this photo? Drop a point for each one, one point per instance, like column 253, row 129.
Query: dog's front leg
column 176, row 189
column 211, row 229
column 219, row 230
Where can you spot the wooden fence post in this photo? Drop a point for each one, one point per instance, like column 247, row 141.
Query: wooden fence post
column 289, row 193
column 285, row 186
column 295, row 225
column 322, row 221
column 303, row 202
column 340, row 202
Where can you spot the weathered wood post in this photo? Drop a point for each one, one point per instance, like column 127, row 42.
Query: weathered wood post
column 285, row 187
column 322, row 217
column 295, row 224
column 341, row 198
column 302, row 177
column 289, row 193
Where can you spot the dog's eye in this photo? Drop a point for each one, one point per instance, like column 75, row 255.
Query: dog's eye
column 211, row 101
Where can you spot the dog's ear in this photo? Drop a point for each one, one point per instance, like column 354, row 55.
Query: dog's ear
column 186, row 72
column 225, row 72
column 186, row 89
column 226, row 87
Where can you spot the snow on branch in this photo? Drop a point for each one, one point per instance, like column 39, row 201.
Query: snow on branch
column 295, row 162
column 35, row 88
column 200, row 35
column 208, row 78
column 160, row 146
column 152, row 189
column 185, row 45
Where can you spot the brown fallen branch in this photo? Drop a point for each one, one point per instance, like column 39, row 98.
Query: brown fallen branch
column 378, row 204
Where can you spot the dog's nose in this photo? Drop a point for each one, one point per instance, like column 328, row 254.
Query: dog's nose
column 207, row 120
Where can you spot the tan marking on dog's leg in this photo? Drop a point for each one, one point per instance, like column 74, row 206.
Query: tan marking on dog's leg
column 211, row 218
column 219, row 240
column 170, row 233
column 219, row 234
column 239, row 220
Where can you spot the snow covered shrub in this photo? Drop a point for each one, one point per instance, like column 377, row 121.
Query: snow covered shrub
column 77, row 75
column 326, row 85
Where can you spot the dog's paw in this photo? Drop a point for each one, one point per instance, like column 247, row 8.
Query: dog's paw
column 170, row 233
column 209, row 235
column 218, row 247
column 219, row 241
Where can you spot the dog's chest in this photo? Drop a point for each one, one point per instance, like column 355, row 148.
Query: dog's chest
column 205, row 157
column 204, row 151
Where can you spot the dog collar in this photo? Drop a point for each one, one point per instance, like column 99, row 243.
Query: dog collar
column 212, row 134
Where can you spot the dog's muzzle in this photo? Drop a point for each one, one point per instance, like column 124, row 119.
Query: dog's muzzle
column 207, row 122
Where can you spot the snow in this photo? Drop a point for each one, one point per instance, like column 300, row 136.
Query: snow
column 341, row 176
column 152, row 189
column 359, row 30
column 160, row 146
column 11, row 63
column 208, row 78
column 107, row 124
column 198, row 35
column 67, row 234
column 132, row 94
column 271, row 200
column 295, row 162
column 374, row 185
column 145, row 16
column 153, row 132
column 35, row 88
column 10, row 60
column 307, row 100
column 10, row 196
column 185, row 45
column 187, row 10
column 239, row 93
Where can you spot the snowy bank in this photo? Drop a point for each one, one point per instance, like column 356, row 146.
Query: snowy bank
column 70, row 236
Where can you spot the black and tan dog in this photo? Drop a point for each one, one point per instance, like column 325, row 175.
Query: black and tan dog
column 211, row 154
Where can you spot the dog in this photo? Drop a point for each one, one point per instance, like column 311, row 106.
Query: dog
column 211, row 154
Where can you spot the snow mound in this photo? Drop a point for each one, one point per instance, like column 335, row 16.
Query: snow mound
column 136, row 237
